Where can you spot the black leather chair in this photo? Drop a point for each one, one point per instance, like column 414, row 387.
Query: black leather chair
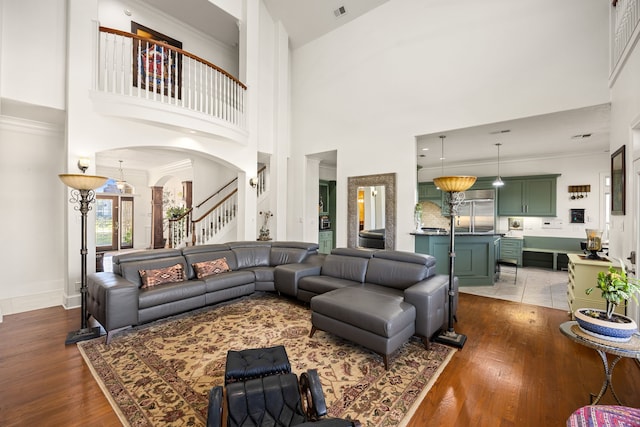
column 268, row 397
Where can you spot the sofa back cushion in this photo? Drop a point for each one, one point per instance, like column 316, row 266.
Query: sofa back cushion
column 281, row 256
column 129, row 265
column 203, row 253
column 350, row 266
column 398, row 269
column 252, row 257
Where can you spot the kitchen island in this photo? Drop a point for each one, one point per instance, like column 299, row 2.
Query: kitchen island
column 476, row 255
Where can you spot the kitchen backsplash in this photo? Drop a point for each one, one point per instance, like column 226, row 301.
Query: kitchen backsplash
column 432, row 216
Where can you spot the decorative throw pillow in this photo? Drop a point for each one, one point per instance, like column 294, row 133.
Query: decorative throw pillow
column 207, row 268
column 172, row 274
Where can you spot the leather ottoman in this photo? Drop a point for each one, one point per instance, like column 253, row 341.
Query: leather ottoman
column 378, row 320
column 253, row 363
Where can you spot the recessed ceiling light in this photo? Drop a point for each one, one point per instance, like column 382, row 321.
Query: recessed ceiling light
column 425, row 149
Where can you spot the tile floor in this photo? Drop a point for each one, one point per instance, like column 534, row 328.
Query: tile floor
column 536, row 286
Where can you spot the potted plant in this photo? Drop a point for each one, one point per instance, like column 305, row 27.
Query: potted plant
column 616, row 288
column 174, row 212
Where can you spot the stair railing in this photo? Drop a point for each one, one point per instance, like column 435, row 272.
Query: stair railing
column 215, row 220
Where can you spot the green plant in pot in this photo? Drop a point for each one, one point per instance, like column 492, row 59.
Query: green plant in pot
column 616, row 288
column 174, row 212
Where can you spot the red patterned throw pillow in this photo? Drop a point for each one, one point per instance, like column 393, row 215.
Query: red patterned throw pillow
column 172, row 274
column 207, row 268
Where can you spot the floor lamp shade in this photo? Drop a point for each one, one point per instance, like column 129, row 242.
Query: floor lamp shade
column 83, row 194
column 454, row 184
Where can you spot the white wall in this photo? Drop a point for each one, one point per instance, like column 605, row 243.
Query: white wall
column 34, row 200
column 111, row 14
column 625, row 130
column 413, row 67
column 32, row 51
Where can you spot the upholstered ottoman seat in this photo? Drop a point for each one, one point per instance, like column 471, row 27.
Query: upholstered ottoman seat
column 253, row 363
column 375, row 317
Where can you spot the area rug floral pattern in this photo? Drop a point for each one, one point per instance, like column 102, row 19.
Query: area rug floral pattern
column 160, row 374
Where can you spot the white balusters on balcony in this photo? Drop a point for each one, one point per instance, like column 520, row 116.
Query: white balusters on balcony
column 625, row 17
column 133, row 66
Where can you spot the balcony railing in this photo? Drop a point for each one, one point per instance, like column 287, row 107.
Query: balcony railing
column 624, row 30
column 134, row 66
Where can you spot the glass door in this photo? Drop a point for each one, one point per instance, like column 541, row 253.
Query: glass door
column 126, row 222
column 114, row 223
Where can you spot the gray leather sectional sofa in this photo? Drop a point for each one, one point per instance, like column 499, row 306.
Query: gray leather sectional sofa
column 376, row 298
column 117, row 300
column 388, row 295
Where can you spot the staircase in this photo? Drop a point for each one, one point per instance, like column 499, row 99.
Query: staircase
column 208, row 221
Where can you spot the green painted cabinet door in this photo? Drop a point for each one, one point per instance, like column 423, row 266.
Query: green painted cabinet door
column 427, row 191
column 541, row 197
column 530, row 196
column 325, row 242
column 511, row 197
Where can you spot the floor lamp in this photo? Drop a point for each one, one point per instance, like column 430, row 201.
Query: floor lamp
column 454, row 185
column 82, row 192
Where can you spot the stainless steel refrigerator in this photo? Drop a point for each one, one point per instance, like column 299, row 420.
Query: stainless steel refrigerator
column 477, row 213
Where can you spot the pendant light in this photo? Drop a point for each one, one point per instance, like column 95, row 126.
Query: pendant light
column 498, row 182
column 121, row 183
column 442, row 137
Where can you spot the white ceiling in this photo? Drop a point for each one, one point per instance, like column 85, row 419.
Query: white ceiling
column 548, row 135
column 305, row 20
column 203, row 16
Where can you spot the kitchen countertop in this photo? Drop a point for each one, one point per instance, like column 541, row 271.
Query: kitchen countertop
column 446, row 233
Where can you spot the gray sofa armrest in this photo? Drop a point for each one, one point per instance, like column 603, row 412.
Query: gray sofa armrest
column 430, row 298
column 112, row 300
column 286, row 276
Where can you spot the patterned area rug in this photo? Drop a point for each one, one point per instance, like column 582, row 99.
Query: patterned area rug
column 160, row 374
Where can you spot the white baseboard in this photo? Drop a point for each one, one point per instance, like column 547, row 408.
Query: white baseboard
column 24, row 303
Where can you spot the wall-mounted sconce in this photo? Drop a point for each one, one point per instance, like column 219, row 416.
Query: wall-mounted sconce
column 83, row 164
column 253, row 182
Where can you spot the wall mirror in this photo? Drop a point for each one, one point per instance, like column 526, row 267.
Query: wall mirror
column 369, row 183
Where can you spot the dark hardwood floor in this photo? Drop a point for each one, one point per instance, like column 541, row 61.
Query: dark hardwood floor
column 516, row 369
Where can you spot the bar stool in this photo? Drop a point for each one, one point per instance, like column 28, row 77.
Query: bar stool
column 511, row 262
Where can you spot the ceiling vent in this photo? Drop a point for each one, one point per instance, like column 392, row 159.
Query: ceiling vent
column 581, row 136
column 340, row 11
column 497, row 132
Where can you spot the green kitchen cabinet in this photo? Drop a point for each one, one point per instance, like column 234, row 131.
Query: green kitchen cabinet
column 428, row 192
column 511, row 248
column 475, row 256
column 528, row 196
column 325, row 242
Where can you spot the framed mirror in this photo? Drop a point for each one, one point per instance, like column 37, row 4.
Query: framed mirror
column 618, row 189
column 358, row 183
